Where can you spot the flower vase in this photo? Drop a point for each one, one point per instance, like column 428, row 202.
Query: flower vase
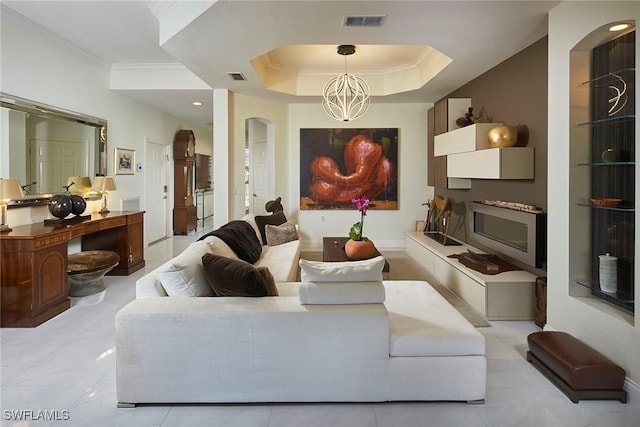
column 359, row 249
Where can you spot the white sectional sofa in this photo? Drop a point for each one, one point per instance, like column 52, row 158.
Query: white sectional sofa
column 350, row 340
column 281, row 260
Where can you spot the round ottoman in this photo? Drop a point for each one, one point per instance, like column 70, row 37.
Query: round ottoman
column 86, row 269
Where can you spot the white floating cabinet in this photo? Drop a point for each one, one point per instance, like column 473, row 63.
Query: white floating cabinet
column 492, row 163
column 469, row 138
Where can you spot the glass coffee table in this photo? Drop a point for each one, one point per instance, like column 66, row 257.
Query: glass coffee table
column 333, row 251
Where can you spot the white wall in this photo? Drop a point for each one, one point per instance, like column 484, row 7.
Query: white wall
column 39, row 66
column 592, row 322
column 277, row 115
column 385, row 227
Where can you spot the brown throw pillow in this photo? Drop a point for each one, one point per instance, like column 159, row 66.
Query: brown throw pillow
column 269, row 281
column 236, row 278
column 279, row 234
column 277, row 218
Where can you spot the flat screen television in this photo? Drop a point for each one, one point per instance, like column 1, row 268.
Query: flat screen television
column 518, row 234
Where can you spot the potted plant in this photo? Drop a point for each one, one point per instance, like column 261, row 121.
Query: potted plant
column 358, row 246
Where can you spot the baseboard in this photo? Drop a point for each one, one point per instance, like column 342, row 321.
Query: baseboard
column 632, row 388
column 633, row 392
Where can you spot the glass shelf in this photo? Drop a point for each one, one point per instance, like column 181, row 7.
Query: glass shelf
column 609, row 120
column 608, row 208
column 619, row 299
column 606, row 76
column 607, row 164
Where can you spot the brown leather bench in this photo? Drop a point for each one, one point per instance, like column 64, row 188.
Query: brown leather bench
column 575, row 368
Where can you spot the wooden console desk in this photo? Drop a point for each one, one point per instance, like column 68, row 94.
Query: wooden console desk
column 33, row 263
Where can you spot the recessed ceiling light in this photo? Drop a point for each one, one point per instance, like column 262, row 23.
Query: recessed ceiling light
column 196, row 103
column 619, row 27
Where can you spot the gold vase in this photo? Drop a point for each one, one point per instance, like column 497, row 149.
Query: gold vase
column 360, row 249
column 503, row 136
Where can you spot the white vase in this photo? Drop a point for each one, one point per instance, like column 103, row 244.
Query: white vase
column 608, row 273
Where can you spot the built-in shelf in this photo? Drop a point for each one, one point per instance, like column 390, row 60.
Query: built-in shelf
column 618, row 298
column 604, row 78
column 608, row 164
column 469, row 138
column 608, row 208
column 493, row 163
column 609, row 120
column 604, row 109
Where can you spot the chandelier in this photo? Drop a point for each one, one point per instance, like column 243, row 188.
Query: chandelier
column 346, row 96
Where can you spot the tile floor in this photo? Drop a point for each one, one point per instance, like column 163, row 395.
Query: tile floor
column 68, row 365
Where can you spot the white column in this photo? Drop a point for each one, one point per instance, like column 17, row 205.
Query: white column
column 221, row 167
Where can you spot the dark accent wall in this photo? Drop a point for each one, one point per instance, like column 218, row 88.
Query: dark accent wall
column 513, row 92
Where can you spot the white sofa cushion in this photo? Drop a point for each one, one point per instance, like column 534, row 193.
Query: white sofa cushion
column 280, row 260
column 341, row 293
column 184, row 274
column 217, row 246
column 423, row 323
column 368, row 270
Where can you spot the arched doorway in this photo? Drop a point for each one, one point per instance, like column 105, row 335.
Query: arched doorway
column 259, row 160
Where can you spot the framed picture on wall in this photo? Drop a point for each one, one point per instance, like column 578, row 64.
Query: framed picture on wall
column 124, row 161
column 338, row 165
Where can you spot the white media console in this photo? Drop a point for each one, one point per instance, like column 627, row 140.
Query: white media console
column 505, row 296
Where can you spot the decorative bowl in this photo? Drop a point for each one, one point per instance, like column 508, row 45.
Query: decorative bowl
column 606, row 202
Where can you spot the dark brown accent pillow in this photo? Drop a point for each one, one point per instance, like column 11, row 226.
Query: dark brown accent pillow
column 277, row 218
column 236, row 278
column 269, row 281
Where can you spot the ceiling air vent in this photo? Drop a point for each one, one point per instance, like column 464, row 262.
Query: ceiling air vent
column 237, row 76
column 364, row 21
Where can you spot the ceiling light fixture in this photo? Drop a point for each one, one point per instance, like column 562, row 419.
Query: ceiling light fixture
column 619, row 27
column 196, row 103
column 346, row 96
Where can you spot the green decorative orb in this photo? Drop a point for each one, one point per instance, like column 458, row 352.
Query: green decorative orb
column 610, row 155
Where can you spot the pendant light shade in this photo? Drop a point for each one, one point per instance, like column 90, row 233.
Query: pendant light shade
column 346, row 96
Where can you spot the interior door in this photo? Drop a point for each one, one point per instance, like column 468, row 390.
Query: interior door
column 155, row 219
column 259, row 175
column 55, row 162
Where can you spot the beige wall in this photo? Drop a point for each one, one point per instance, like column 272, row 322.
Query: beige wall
column 599, row 325
column 386, row 228
column 514, row 92
column 274, row 113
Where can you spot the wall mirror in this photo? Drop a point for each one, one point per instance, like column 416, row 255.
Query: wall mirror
column 42, row 146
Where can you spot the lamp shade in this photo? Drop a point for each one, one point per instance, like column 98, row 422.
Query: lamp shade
column 79, row 184
column 10, row 189
column 104, row 183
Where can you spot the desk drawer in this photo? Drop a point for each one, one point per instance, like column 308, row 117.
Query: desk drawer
column 91, row 227
column 105, row 224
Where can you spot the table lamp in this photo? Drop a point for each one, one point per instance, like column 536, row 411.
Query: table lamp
column 10, row 189
column 104, row 184
column 79, row 184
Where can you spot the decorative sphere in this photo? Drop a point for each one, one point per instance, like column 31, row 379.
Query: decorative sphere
column 610, row 156
column 60, row 205
column 503, row 136
column 78, row 205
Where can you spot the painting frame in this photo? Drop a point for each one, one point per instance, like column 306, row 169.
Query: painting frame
column 329, row 168
column 124, row 161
